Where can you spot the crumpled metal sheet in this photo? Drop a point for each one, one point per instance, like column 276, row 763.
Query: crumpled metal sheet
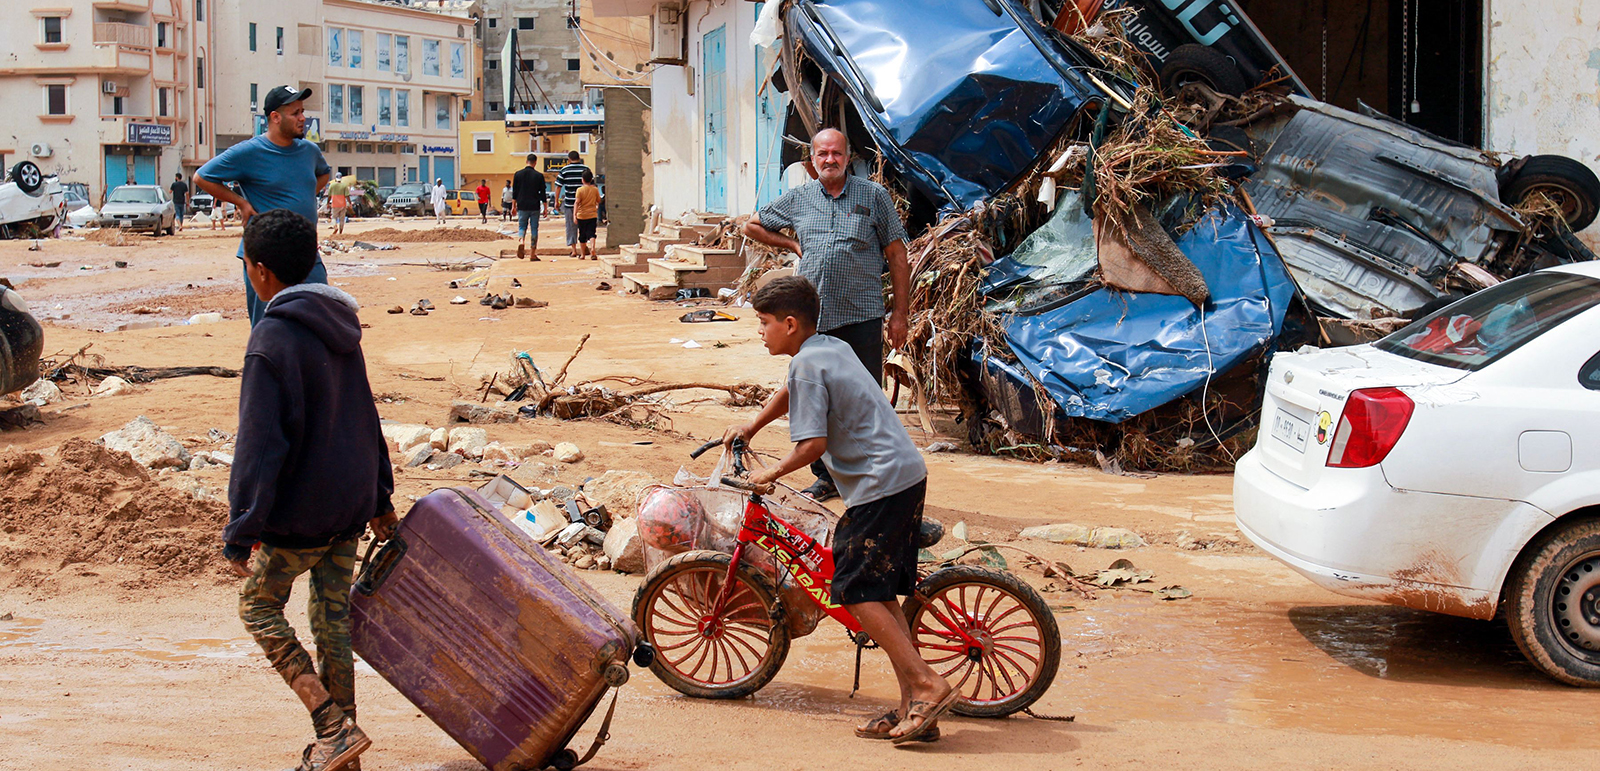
column 1112, row 355
column 969, row 100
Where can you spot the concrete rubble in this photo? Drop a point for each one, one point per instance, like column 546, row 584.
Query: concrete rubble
column 150, row 446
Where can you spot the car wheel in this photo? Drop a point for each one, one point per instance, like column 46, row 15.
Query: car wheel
column 1553, row 604
column 1566, row 182
column 27, row 176
column 1194, row 63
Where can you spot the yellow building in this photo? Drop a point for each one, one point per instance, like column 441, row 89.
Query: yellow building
column 489, row 151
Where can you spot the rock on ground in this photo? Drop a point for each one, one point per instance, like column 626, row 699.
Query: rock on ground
column 42, row 392
column 495, row 451
column 113, row 386
column 1065, row 532
column 404, row 436
column 624, row 547
column 472, row 412
column 1114, row 538
column 468, row 441
column 618, row 491
column 567, row 452
column 440, row 438
column 419, row 455
column 150, row 446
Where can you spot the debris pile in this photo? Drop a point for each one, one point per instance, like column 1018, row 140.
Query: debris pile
column 590, row 529
column 430, row 236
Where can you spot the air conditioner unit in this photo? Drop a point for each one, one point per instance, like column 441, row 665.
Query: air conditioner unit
column 41, row 150
column 108, row 86
column 666, row 36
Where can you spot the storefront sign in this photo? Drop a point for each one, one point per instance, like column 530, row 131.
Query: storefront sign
column 438, row 149
column 149, row 134
column 354, row 134
column 394, row 137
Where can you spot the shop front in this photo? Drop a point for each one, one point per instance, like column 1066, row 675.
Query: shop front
column 137, row 161
column 369, row 155
column 439, row 162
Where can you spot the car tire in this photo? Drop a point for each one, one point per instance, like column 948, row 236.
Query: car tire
column 28, row 177
column 1552, row 603
column 1194, row 63
column 1569, row 183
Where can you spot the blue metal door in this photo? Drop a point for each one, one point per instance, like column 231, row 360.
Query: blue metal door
column 445, row 169
column 771, row 106
column 713, row 64
column 422, row 164
column 144, row 169
column 117, row 171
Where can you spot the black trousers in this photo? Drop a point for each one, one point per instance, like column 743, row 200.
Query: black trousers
column 866, row 339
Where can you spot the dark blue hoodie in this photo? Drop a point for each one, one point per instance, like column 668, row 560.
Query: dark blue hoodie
column 311, row 465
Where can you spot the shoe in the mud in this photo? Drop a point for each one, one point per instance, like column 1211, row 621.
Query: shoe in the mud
column 398, row 309
column 529, row 302
column 515, row 284
column 458, row 300
column 487, row 299
column 820, row 491
column 522, row 251
column 499, row 303
column 339, row 752
column 417, row 310
column 426, row 305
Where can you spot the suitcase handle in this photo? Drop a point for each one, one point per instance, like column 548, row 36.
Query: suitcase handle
column 374, row 571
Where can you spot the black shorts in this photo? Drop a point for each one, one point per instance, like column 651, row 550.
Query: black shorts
column 483, row 208
column 586, row 229
column 875, row 548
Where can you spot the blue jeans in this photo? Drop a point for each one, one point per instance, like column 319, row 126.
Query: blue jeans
column 528, row 220
column 257, row 308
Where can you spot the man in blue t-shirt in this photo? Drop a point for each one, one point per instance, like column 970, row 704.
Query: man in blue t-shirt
column 277, row 170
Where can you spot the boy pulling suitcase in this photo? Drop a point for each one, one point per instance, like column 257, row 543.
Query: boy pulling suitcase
column 311, row 472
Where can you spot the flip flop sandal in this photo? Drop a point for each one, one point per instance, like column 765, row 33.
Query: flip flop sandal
column 880, row 726
column 929, row 713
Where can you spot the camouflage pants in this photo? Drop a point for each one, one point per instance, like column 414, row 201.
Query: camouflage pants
column 265, row 594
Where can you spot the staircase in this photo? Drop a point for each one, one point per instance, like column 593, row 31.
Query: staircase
column 667, row 260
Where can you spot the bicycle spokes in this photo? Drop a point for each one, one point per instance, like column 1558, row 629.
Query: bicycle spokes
column 700, row 643
column 982, row 639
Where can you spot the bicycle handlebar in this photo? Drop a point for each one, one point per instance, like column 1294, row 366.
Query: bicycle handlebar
column 745, row 485
column 701, row 450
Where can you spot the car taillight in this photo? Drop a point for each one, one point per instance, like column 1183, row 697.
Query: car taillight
column 1373, row 420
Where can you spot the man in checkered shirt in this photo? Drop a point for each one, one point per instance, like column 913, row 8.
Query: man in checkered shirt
column 847, row 232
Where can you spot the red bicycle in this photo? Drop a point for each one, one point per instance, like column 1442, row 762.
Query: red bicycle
column 717, row 624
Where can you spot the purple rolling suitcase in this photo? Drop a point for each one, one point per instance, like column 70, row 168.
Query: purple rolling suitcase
column 495, row 640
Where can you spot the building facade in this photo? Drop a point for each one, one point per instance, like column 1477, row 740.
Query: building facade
column 493, row 151
column 547, row 75
column 108, row 93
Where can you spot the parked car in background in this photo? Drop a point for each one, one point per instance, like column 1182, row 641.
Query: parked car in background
column 31, row 204
column 461, row 201
column 80, row 213
column 201, row 203
column 383, row 195
column 21, row 342
column 407, row 200
column 139, row 207
column 1453, row 466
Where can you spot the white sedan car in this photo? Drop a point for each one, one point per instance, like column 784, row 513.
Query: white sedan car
column 1453, row 466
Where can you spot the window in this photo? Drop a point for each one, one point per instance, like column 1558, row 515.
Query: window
column 402, row 54
column 384, row 98
column 458, row 61
column 161, row 102
column 344, row 147
column 335, row 47
column 1473, row 333
column 280, row 41
column 161, row 34
column 430, row 57
column 526, row 65
column 355, row 48
column 52, row 29
column 385, row 42
column 255, row 89
column 252, row 36
column 493, row 22
column 492, row 106
column 402, row 107
column 335, row 103
column 363, row 147
column 355, row 106
column 482, row 143
column 199, row 72
column 1589, row 375
column 199, row 10
column 55, row 100
column 493, row 64
column 572, row 65
column 466, row 107
column 116, row 105
column 524, row 22
column 441, row 111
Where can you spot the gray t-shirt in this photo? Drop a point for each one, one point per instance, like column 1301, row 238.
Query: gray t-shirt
column 830, row 394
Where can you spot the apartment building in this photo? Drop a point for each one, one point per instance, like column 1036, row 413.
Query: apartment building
column 107, row 92
column 547, row 73
column 388, row 81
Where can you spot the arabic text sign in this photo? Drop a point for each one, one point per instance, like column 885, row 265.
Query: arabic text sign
column 149, row 134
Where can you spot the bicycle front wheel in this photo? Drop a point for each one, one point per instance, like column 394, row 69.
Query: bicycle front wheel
column 1015, row 646
column 725, row 655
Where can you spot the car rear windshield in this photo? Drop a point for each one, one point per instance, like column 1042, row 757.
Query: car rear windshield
column 133, row 195
column 1474, row 332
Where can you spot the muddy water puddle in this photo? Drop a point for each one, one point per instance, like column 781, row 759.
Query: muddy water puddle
column 28, row 635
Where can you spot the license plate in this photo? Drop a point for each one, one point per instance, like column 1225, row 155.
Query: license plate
column 1290, row 430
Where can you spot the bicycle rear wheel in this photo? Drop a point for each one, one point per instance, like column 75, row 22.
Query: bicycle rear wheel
column 727, row 655
column 1018, row 646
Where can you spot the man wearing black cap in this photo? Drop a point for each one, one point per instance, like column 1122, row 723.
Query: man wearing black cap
column 277, row 170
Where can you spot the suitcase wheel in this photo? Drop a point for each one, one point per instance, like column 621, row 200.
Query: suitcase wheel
column 616, row 674
column 644, row 655
column 565, row 760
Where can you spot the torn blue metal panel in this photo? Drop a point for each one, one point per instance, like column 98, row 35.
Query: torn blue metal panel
column 1112, row 355
column 962, row 96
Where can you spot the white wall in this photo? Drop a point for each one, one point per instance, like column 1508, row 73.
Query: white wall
column 1543, row 81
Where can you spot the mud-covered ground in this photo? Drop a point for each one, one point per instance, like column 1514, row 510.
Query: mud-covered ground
column 120, row 663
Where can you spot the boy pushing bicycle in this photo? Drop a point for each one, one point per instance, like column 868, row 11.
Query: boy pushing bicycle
column 838, row 414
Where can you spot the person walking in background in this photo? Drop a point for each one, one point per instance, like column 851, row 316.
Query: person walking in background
column 507, row 203
column 567, row 184
column 437, row 197
column 277, row 170
column 180, row 199
column 586, row 210
column 483, row 201
column 529, row 194
column 338, row 203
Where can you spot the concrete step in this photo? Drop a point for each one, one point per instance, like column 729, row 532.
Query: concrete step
column 694, row 274
column 628, row 259
column 706, row 256
column 651, row 287
column 656, row 242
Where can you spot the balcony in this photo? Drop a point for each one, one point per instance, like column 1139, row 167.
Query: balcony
column 118, row 33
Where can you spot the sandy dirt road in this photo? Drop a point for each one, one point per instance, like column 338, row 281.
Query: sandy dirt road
column 112, row 666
